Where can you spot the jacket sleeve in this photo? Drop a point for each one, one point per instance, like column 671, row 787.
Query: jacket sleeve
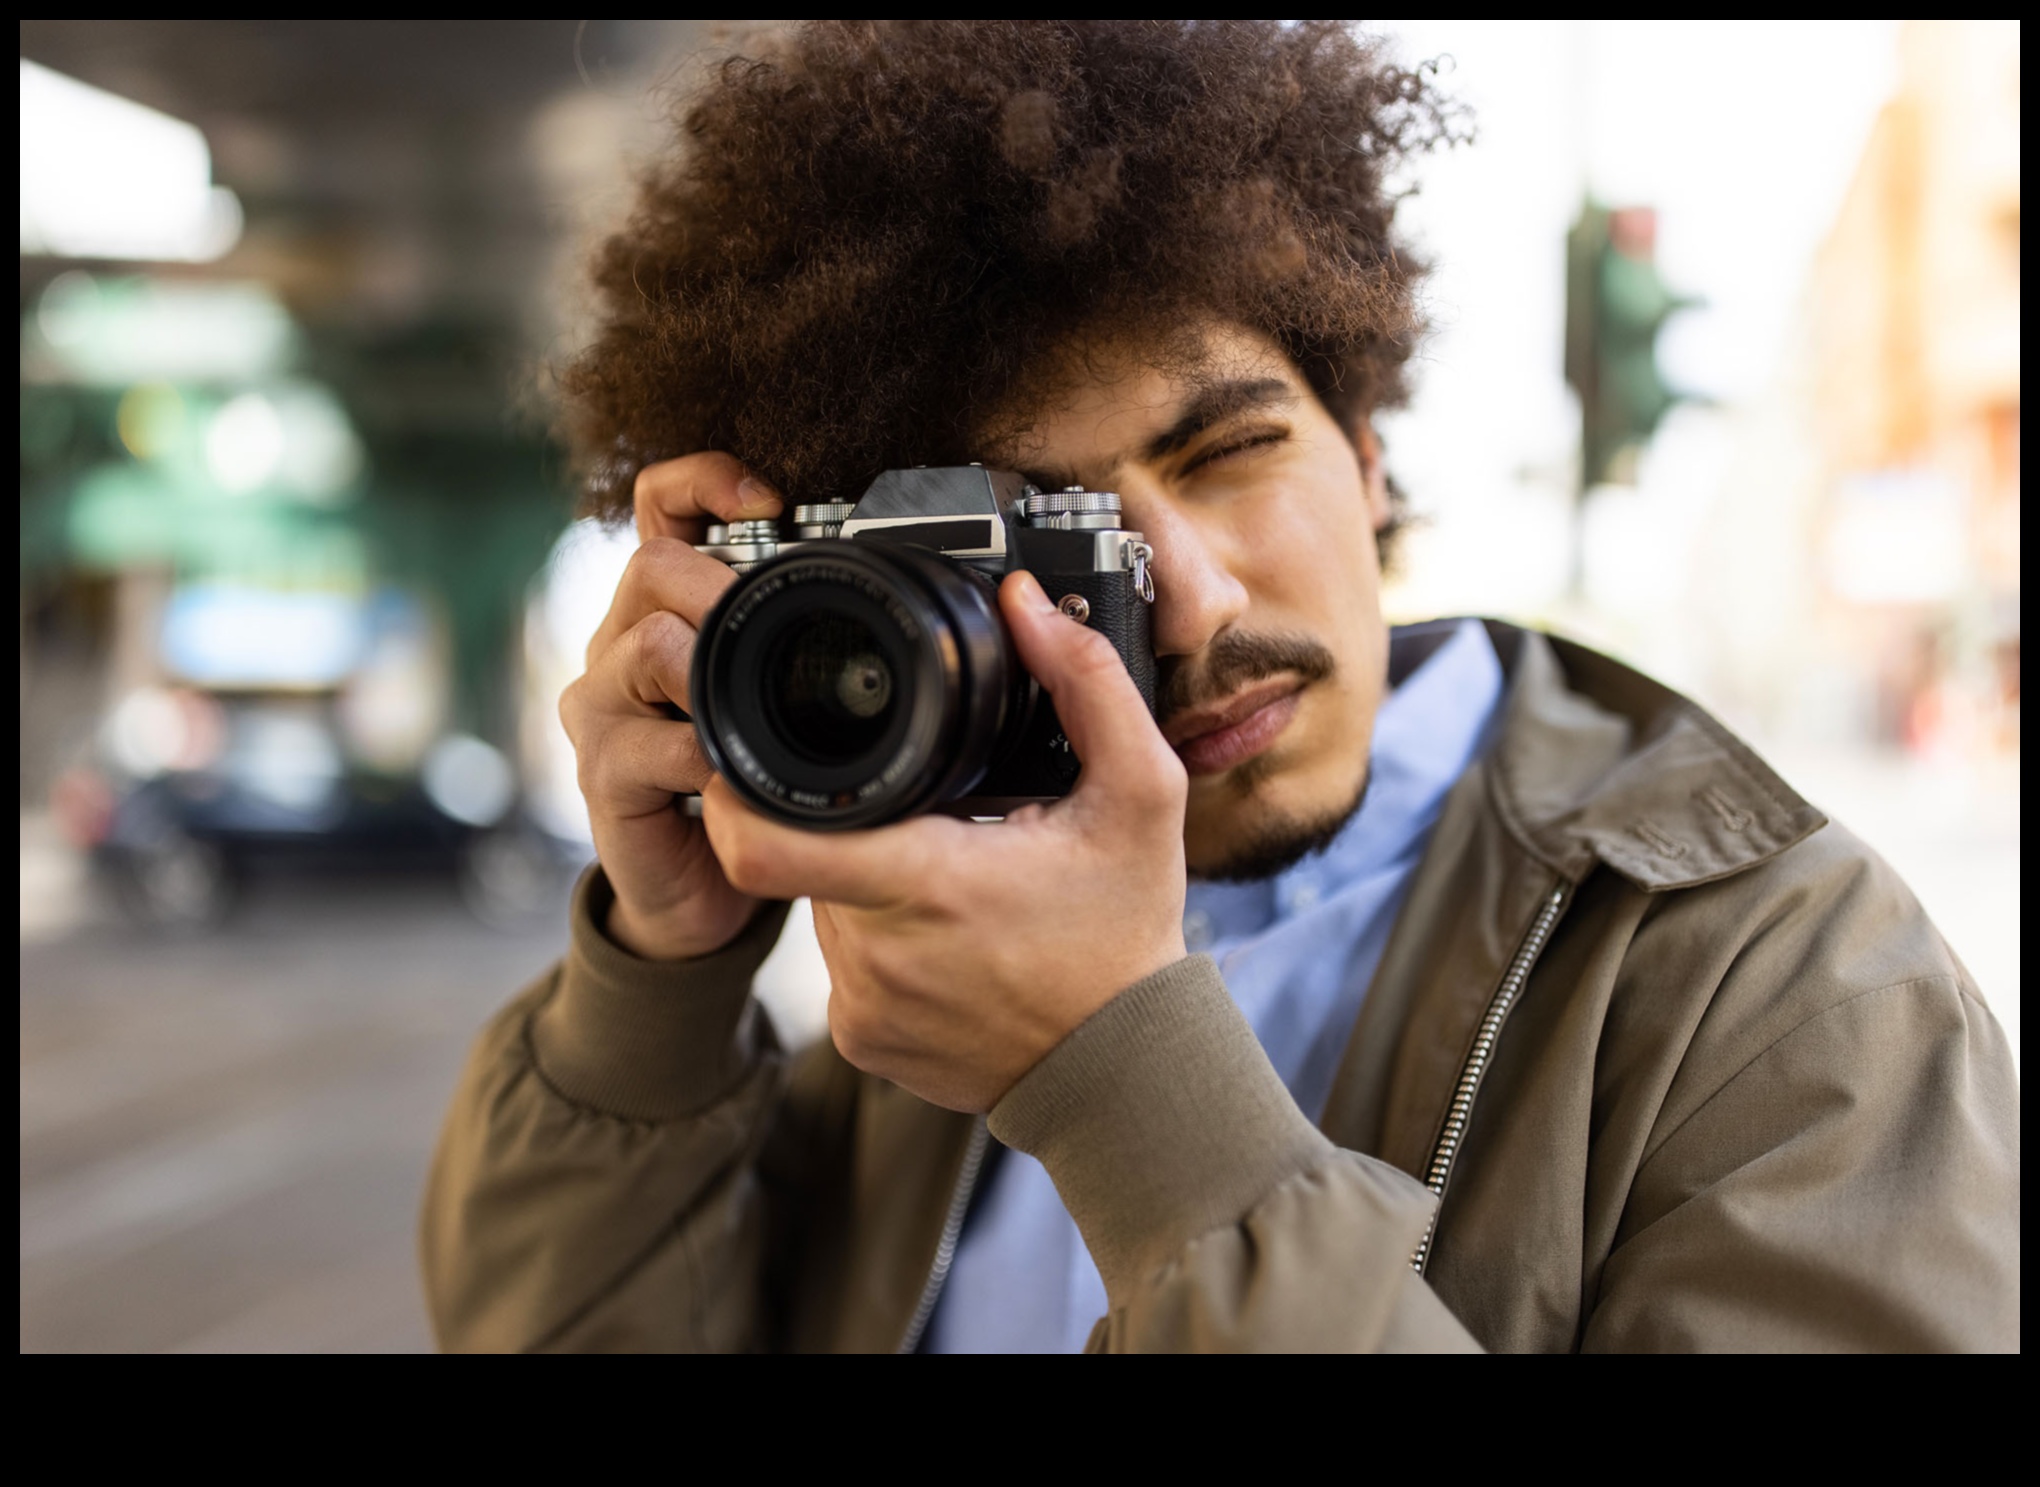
column 1220, row 1218
column 596, row 1184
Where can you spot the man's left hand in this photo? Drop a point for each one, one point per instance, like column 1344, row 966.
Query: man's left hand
column 960, row 953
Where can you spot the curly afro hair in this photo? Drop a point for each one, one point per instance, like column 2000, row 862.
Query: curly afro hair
column 873, row 233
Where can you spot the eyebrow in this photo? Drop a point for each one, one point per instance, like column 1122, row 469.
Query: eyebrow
column 1210, row 405
column 1214, row 405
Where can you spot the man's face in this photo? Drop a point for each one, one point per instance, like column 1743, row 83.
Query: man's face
column 1262, row 513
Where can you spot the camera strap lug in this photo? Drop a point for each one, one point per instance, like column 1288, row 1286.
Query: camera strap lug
column 1137, row 556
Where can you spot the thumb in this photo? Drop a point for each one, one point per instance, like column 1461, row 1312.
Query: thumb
column 1124, row 754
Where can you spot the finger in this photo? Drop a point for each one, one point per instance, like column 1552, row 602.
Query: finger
column 1126, row 760
column 635, row 766
column 664, row 575
column 677, row 498
column 646, row 668
column 864, row 869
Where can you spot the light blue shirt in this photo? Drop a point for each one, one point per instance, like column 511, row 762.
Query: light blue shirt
column 1298, row 952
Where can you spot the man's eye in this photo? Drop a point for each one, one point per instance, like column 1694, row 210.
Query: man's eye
column 1228, row 448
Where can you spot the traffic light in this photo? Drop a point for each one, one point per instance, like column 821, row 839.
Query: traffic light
column 1615, row 305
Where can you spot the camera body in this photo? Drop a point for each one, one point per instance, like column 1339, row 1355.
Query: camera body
column 859, row 671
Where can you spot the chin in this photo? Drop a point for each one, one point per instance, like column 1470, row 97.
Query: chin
column 1265, row 815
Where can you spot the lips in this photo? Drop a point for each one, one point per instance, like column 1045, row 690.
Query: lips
column 1211, row 740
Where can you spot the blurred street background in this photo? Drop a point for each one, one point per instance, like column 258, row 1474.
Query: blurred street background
column 1725, row 380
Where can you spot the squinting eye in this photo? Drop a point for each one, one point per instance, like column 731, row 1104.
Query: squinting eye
column 1238, row 446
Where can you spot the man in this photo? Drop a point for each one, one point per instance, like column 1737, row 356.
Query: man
column 1539, row 1013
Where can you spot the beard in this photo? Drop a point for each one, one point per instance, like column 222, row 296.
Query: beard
column 1277, row 842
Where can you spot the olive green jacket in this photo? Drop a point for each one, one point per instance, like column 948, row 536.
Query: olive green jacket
column 1656, row 1058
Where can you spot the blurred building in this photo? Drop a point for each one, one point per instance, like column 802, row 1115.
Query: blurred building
column 290, row 295
column 1913, row 379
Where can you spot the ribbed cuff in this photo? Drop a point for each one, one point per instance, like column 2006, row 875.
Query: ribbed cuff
column 1159, row 1118
column 649, row 1040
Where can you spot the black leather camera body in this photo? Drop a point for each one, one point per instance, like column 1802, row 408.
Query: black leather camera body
column 859, row 670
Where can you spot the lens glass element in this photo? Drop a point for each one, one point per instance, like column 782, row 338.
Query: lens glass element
column 829, row 688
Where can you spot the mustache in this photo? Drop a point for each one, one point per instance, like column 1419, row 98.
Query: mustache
column 1232, row 661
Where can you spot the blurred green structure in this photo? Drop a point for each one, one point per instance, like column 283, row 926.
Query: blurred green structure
column 191, row 432
column 1616, row 303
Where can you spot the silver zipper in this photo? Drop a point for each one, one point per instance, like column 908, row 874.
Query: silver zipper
column 952, row 1230
column 1477, row 1058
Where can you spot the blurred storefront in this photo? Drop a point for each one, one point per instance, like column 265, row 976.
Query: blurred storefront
column 303, row 634
column 289, row 294
column 1914, row 392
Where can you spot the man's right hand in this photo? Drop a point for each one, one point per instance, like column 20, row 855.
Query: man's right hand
column 672, row 900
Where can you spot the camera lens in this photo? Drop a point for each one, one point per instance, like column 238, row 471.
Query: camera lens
column 850, row 684
column 829, row 688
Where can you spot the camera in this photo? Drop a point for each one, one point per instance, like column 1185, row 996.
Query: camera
column 859, row 671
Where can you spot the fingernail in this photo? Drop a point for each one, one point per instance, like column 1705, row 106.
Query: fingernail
column 1033, row 595
column 755, row 495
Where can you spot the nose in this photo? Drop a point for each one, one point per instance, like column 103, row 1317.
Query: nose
column 1197, row 594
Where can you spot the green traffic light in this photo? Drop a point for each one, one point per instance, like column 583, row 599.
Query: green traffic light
column 1616, row 305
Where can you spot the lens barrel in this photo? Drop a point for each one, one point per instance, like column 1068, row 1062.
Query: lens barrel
column 849, row 684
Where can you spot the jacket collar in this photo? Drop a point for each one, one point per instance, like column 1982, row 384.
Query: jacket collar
column 1589, row 763
column 1593, row 761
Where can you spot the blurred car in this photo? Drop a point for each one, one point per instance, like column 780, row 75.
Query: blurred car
column 299, row 730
